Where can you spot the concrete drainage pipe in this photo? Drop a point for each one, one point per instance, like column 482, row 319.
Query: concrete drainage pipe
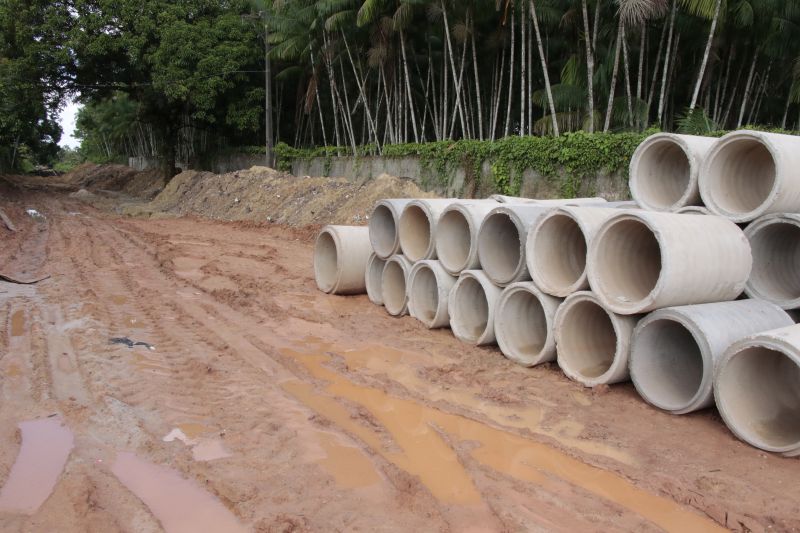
column 593, row 343
column 394, row 285
column 674, row 350
column 643, row 260
column 664, row 171
column 418, row 228
column 471, row 305
column 374, row 279
column 340, row 259
column 694, row 210
column 775, row 240
column 523, row 324
column 503, row 199
column 501, row 242
column 556, row 248
column 757, row 390
column 429, row 287
column 457, row 235
column 383, row 226
column 748, row 174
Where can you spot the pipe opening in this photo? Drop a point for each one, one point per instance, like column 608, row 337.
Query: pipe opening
column 667, row 364
column 499, row 245
column 741, row 176
column 375, row 278
column 453, row 241
column 394, row 287
column 470, row 312
column 587, row 340
column 663, row 174
column 760, row 389
column 415, row 232
column 326, row 262
column 424, row 293
column 629, row 261
column 524, row 324
column 776, row 261
column 559, row 253
column 382, row 231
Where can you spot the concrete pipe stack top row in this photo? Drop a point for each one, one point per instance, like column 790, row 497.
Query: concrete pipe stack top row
column 673, row 291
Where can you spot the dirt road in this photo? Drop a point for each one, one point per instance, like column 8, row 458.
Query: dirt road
column 268, row 405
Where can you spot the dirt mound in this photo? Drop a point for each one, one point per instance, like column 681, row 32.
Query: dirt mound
column 103, row 177
column 263, row 194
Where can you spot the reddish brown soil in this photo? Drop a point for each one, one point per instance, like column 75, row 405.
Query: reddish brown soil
column 337, row 417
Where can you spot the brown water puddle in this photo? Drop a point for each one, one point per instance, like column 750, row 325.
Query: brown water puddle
column 422, row 451
column 179, row 504
column 119, row 299
column 18, row 323
column 46, row 445
column 347, row 464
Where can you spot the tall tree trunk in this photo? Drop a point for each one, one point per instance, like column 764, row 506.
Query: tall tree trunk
column 705, row 56
column 498, row 93
column 523, row 71
column 477, row 82
column 589, row 65
column 642, row 46
column 543, row 60
column 511, row 69
column 615, row 71
column 666, row 62
column 747, row 88
column 627, row 70
column 270, row 149
column 786, row 108
column 529, row 87
column 651, row 93
column 408, row 87
column 458, row 107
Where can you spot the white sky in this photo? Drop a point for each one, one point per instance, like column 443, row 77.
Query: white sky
column 67, row 120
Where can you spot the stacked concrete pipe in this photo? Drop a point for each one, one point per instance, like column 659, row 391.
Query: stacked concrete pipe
column 694, row 210
column 556, row 248
column 503, row 199
column 523, row 324
column 748, row 174
column 457, row 235
column 374, row 279
column 593, row 343
column 429, row 288
column 340, row 259
column 472, row 304
column 383, row 227
column 394, row 285
column 757, row 390
column 775, row 240
column 417, row 228
column 665, row 170
column 639, row 261
column 674, row 350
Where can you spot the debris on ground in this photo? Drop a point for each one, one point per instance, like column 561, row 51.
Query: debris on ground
column 19, row 281
column 7, row 221
column 130, row 343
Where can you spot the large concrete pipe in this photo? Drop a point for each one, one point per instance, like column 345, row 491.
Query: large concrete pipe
column 643, row 260
column 457, row 235
column 472, row 305
column 523, row 324
column 501, row 241
column 694, row 210
column 503, row 199
column 674, row 350
column 374, row 279
column 418, row 228
column 775, row 240
column 556, row 248
column 593, row 343
column 757, row 390
column 383, row 226
column 664, row 171
column 394, row 283
column 429, row 288
column 748, row 174
column 340, row 259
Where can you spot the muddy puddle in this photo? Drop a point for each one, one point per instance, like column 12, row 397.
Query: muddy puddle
column 426, row 442
column 46, row 445
column 180, row 505
column 18, row 323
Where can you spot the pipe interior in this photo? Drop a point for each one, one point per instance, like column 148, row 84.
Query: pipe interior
column 415, row 232
column 500, row 249
column 394, row 287
column 776, row 261
column 667, row 363
column 629, row 262
column 471, row 312
column 382, row 231
column 375, row 273
column 587, row 341
column 663, row 174
column 453, row 240
column 524, row 323
column 741, row 176
column 424, row 292
column 559, row 251
column 326, row 261
column 760, row 389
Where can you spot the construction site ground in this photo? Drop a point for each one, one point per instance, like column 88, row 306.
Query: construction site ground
column 300, row 411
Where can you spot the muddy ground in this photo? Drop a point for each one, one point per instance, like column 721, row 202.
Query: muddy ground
column 291, row 410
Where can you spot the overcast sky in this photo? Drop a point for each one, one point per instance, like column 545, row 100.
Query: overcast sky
column 67, row 121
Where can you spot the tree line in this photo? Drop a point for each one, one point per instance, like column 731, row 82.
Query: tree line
column 189, row 79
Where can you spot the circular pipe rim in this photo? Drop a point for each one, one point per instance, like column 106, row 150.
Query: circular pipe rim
column 403, row 264
column 511, row 352
column 412, row 306
column 404, row 237
column 329, row 288
column 533, row 259
column 752, row 290
column 472, row 254
column 521, row 266
column 378, row 249
column 454, row 309
column 641, row 151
